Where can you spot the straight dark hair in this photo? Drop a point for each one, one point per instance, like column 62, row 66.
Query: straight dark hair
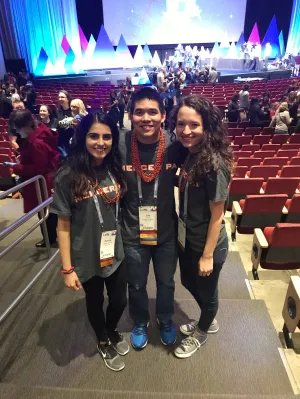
column 80, row 162
column 149, row 94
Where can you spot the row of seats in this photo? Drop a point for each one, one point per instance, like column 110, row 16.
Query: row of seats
column 265, row 154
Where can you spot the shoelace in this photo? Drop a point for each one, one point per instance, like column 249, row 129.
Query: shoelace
column 139, row 330
column 167, row 326
column 188, row 342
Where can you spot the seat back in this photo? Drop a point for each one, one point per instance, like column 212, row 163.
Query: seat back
column 290, row 171
column 289, row 146
column 240, row 171
column 295, row 161
column 260, row 211
column 270, row 147
column 250, row 147
column 283, row 185
column 284, row 247
column 240, row 187
column 248, row 162
column 240, row 140
column 241, row 154
column 268, row 131
column 264, row 154
column 287, row 153
column 295, row 138
column 235, row 132
column 264, row 171
column 280, row 138
column 294, row 210
column 279, row 161
column 252, row 131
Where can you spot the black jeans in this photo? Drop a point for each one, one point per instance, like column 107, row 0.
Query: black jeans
column 203, row 289
column 121, row 115
column 164, row 257
column 51, row 223
column 116, row 286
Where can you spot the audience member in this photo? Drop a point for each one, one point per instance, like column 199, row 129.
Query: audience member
column 244, row 97
column 65, row 120
column 281, row 120
column 14, row 136
column 213, row 75
column 255, row 114
column 233, row 108
column 47, row 118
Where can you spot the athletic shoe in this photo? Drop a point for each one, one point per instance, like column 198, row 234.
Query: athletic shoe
column 110, row 356
column 188, row 329
column 167, row 332
column 119, row 342
column 138, row 337
column 191, row 344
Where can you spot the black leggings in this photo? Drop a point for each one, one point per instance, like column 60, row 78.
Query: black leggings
column 116, row 286
column 51, row 224
column 203, row 289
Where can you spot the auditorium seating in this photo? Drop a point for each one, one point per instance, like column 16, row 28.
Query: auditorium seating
column 263, row 154
column 256, row 211
column 293, row 209
column 270, row 147
column 248, row 162
column 264, row 171
column 280, row 138
column 279, row 161
column 290, row 171
column 287, row 153
column 240, row 171
column 276, row 248
column 295, row 161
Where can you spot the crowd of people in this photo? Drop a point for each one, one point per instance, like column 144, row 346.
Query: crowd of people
column 281, row 115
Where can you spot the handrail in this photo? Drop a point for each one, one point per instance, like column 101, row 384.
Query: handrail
column 43, row 209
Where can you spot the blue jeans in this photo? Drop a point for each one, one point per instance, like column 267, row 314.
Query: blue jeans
column 203, row 289
column 164, row 257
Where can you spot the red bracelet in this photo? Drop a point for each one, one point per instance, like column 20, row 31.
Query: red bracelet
column 64, row 271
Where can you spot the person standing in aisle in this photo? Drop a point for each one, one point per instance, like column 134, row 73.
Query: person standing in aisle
column 149, row 226
column 203, row 192
column 88, row 188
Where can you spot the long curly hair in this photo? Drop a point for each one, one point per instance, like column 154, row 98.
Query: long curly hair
column 214, row 146
column 80, row 162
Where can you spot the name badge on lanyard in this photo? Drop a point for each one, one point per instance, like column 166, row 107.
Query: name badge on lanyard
column 108, row 237
column 148, row 217
column 182, row 222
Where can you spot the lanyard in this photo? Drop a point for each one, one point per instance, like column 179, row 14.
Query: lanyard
column 139, row 182
column 185, row 201
column 97, row 202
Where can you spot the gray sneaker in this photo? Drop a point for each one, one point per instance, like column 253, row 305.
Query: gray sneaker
column 188, row 329
column 119, row 342
column 191, row 344
column 110, row 356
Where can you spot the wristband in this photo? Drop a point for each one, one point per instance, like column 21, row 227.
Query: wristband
column 64, row 271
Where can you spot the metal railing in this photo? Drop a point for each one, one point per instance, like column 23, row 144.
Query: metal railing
column 43, row 210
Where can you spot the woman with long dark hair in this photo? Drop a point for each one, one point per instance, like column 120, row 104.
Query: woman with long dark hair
column 88, row 188
column 203, row 189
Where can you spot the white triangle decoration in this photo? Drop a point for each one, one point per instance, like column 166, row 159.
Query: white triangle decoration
column 232, row 53
column 88, row 56
column 138, row 60
column 156, row 62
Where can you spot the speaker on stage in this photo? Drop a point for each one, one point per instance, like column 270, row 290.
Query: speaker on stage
column 291, row 309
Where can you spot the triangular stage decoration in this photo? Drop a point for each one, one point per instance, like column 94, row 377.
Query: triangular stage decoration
column 147, row 55
column 83, row 41
column 156, row 60
column 272, row 37
column 215, row 53
column 123, row 54
column 232, row 53
column 254, row 36
column 69, row 62
column 88, row 56
column 65, row 45
column 104, row 55
column 224, row 46
column 239, row 44
column 57, row 68
column 281, row 44
column 141, row 79
column 139, row 57
column 41, row 63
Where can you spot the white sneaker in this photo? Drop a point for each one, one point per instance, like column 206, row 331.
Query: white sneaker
column 188, row 329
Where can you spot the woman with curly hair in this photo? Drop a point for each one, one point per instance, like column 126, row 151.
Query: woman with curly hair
column 88, row 189
column 203, row 192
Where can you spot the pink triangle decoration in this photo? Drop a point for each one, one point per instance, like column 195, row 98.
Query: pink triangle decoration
column 83, row 41
column 65, row 45
column 254, row 37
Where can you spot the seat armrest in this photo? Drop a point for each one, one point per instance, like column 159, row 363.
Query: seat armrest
column 261, row 239
column 236, row 208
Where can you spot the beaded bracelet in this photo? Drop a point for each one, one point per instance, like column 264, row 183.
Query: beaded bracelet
column 64, row 271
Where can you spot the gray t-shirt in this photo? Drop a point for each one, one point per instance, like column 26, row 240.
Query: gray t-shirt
column 166, row 214
column 213, row 187
column 86, row 230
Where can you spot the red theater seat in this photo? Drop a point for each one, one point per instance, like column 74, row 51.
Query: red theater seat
column 256, row 211
column 248, row 162
column 270, row 147
column 235, row 132
column 282, row 185
column 261, row 140
column 241, row 140
column 250, row 147
column 280, row 139
column 289, row 146
column 287, row 153
column 240, row 187
column 276, row 248
column 252, row 131
column 279, row 161
column 241, row 154
column 295, row 138
column 290, row 171
column 295, row 161
column 264, row 171
column 268, row 131
column 264, row 154
column 240, row 171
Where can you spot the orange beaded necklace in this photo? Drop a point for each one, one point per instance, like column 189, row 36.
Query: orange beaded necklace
column 147, row 177
column 108, row 199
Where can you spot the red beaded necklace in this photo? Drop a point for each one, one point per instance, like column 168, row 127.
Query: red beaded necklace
column 147, row 177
